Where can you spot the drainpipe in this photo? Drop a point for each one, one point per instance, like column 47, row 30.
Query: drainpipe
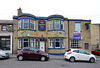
column 68, row 36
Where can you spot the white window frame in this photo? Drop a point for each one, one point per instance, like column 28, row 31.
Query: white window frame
column 25, row 41
column 57, row 41
column 19, row 24
column 32, row 23
column 24, row 22
column 19, row 45
column 79, row 43
column 63, row 45
column 56, row 23
column 31, row 41
column 51, row 41
column 62, row 22
column 50, row 24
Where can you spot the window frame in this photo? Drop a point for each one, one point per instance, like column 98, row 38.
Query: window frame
column 25, row 41
column 50, row 23
column 19, row 24
column 32, row 23
column 31, row 41
column 51, row 42
column 57, row 41
column 19, row 45
column 55, row 22
column 4, row 28
column 76, row 43
column 78, row 27
column 24, row 22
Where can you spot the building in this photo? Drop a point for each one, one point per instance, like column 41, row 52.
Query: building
column 6, row 35
column 53, row 34
column 95, row 36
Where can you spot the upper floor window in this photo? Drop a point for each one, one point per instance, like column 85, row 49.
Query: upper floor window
column 4, row 28
column 25, row 23
column 19, row 24
column 56, row 24
column 77, row 27
column 32, row 24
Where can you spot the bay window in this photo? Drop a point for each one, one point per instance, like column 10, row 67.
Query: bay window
column 56, row 24
column 56, row 43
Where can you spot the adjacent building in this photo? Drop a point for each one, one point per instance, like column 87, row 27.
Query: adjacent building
column 95, row 36
column 6, row 35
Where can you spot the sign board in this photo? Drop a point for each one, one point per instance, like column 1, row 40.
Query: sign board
column 41, row 25
column 77, row 35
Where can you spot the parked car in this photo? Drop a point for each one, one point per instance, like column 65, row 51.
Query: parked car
column 4, row 54
column 96, row 51
column 32, row 53
column 79, row 54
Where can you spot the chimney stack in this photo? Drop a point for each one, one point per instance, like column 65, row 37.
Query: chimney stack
column 19, row 11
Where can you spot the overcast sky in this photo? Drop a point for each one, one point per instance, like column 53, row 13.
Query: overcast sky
column 72, row 9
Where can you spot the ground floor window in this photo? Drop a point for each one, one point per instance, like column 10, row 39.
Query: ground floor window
column 5, row 42
column 86, row 45
column 51, row 43
column 76, row 43
column 26, row 42
column 56, row 43
column 32, row 42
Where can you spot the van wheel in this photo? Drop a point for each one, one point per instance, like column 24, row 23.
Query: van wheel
column 92, row 60
column 72, row 59
column 20, row 58
column 43, row 58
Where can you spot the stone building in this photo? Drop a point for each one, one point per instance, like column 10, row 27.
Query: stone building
column 95, row 36
column 53, row 34
column 6, row 35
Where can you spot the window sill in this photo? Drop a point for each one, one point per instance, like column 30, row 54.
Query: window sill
column 26, row 29
column 56, row 48
column 56, row 30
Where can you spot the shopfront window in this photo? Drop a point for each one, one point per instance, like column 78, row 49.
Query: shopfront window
column 5, row 43
column 25, row 42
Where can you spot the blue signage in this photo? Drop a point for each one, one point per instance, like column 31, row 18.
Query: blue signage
column 41, row 25
column 77, row 35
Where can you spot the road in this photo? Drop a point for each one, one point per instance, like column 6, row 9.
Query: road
column 54, row 62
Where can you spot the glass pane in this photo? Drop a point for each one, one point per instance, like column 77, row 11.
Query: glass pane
column 25, row 39
column 32, row 26
column 77, row 26
column 32, row 44
column 26, row 25
column 57, row 24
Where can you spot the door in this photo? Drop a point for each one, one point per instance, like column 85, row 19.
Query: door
column 42, row 46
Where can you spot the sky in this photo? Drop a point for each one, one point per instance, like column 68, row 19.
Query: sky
column 71, row 9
